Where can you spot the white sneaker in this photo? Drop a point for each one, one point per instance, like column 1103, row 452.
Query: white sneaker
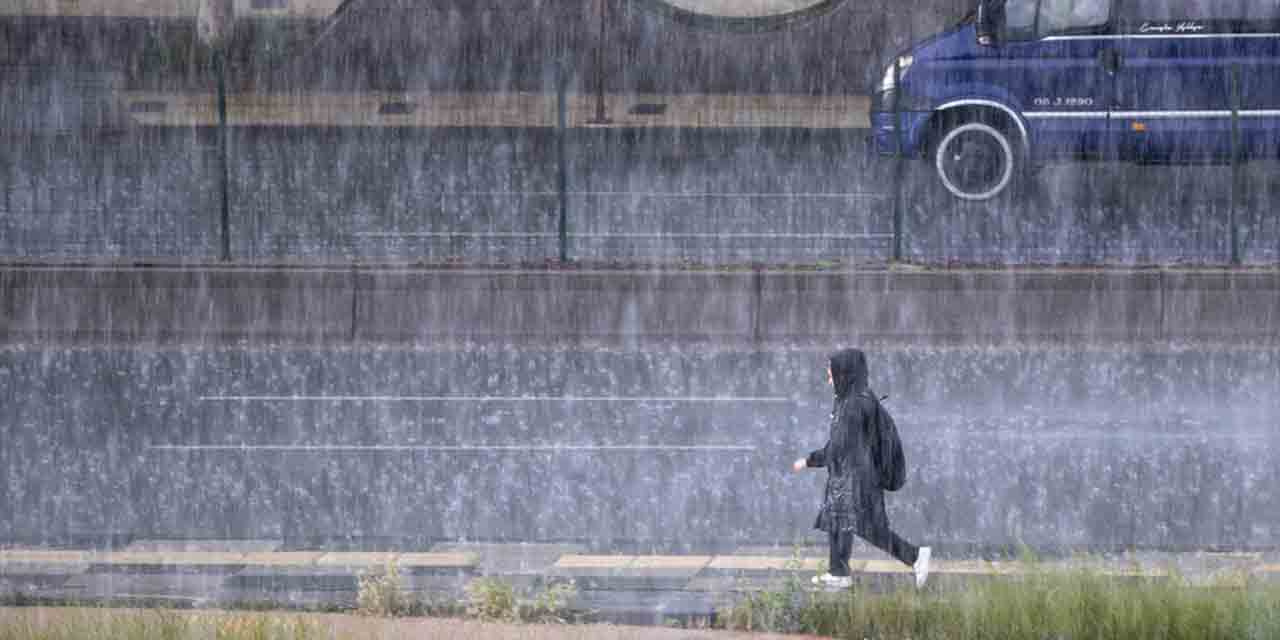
column 921, row 567
column 829, row 581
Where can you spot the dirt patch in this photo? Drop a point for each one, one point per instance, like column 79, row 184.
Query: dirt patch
column 343, row 627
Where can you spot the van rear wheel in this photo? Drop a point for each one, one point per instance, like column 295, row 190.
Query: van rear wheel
column 976, row 161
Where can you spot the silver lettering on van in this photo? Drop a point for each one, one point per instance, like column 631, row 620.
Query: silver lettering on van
column 1185, row 26
column 1061, row 101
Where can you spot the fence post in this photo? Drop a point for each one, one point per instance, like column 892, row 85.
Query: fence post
column 898, row 163
column 602, row 115
column 1232, row 217
column 562, row 160
column 219, row 67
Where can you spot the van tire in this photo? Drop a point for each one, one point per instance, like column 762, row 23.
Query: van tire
column 976, row 161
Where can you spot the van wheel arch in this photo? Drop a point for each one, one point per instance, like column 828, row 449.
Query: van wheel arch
column 942, row 121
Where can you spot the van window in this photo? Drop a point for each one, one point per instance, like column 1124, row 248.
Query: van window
column 1174, row 10
column 1020, row 19
column 1059, row 17
column 1262, row 10
column 1260, row 16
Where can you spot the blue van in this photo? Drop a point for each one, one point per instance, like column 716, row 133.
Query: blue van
column 1022, row 83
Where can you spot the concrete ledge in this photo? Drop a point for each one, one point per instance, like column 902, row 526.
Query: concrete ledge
column 174, row 305
column 761, row 565
column 283, row 559
column 665, row 572
column 166, row 561
column 589, row 563
column 19, row 562
column 511, row 558
column 160, row 584
column 436, row 563
column 45, row 557
column 290, row 579
column 356, row 561
column 215, row 546
column 592, row 572
column 324, row 306
column 670, row 563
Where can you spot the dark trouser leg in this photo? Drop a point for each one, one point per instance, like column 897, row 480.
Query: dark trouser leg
column 880, row 535
column 841, row 547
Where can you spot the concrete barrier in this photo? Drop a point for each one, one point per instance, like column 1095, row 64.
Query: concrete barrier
column 175, row 305
column 1200, row 305
column 397, row 306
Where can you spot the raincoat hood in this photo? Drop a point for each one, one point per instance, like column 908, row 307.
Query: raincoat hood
column 848, row 372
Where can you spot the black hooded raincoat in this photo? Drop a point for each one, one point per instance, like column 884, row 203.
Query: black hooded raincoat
column 853, row 499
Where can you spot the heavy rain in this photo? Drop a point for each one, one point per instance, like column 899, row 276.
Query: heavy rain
column 312, row 304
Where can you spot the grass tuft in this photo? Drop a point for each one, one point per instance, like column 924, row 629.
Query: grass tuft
column 156, row 625
column 492, row 600
column 1038, row 604
column 551, row 605
column 381, row 593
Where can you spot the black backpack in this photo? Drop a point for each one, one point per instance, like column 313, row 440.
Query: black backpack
column 886, row 448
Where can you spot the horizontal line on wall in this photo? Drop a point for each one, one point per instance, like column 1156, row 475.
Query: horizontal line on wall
column 303, row 448
column 552, row 234
column 779, row 195
column 389, row 398
column 1095, row 435
column 818, row 195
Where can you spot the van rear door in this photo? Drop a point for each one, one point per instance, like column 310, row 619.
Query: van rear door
column 1174, row 96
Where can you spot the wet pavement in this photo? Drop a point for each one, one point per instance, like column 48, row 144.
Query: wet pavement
column 612, row 588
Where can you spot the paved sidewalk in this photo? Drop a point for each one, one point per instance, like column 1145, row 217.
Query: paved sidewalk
column 641, row 589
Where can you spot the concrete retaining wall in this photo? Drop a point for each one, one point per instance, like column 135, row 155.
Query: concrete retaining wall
column 198, row 305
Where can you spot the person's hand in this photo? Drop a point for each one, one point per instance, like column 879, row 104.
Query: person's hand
column 986, row 41
column 800, row 464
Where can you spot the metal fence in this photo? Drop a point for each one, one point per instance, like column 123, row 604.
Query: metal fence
column 571, row 131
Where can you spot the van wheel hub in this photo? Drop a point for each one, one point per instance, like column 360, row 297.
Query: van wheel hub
column 975, row 161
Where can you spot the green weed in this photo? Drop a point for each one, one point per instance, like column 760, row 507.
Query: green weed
column 156, row 625
column 492, row 600
column 1037, row 604
column 381, row 593
column 551, row 604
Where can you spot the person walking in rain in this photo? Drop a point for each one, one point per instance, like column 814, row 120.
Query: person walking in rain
column 863, row 457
